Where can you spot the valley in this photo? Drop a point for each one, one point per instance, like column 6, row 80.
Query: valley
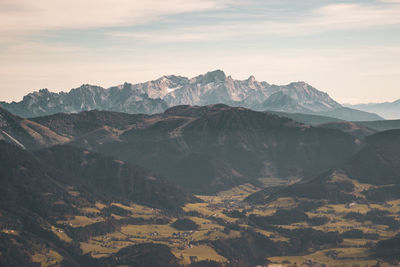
column 223, row 218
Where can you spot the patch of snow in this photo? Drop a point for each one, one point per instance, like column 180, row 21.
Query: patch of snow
column 13, row 139
column 169, row 90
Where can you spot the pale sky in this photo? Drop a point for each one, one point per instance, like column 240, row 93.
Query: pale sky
column 349, row 49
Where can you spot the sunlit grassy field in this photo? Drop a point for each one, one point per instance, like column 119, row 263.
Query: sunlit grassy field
column 209, row 216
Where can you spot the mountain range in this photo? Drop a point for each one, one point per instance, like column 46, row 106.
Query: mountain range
column 211, row 88
column 388, row 110
column 208, row 148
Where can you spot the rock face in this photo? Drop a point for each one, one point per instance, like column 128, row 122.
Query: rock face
column 210, row 88
column 86, row 97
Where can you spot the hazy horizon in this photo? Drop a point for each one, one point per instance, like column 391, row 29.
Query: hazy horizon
column 227, row 74
column 349, row 49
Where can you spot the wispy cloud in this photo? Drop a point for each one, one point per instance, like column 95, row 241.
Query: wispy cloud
column 333, row 17
column 24, row 16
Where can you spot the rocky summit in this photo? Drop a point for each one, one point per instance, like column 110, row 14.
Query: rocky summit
column 211, row 88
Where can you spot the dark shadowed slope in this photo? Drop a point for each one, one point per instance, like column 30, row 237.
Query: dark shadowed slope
column 112, row 179
column 31, row 200
column 205, row 149
column 379, row 161
column 376, row 165
column 26, row 183
column 39, row 191
column 37, row 181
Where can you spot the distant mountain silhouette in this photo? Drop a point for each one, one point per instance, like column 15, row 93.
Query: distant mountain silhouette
column 388, row 110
